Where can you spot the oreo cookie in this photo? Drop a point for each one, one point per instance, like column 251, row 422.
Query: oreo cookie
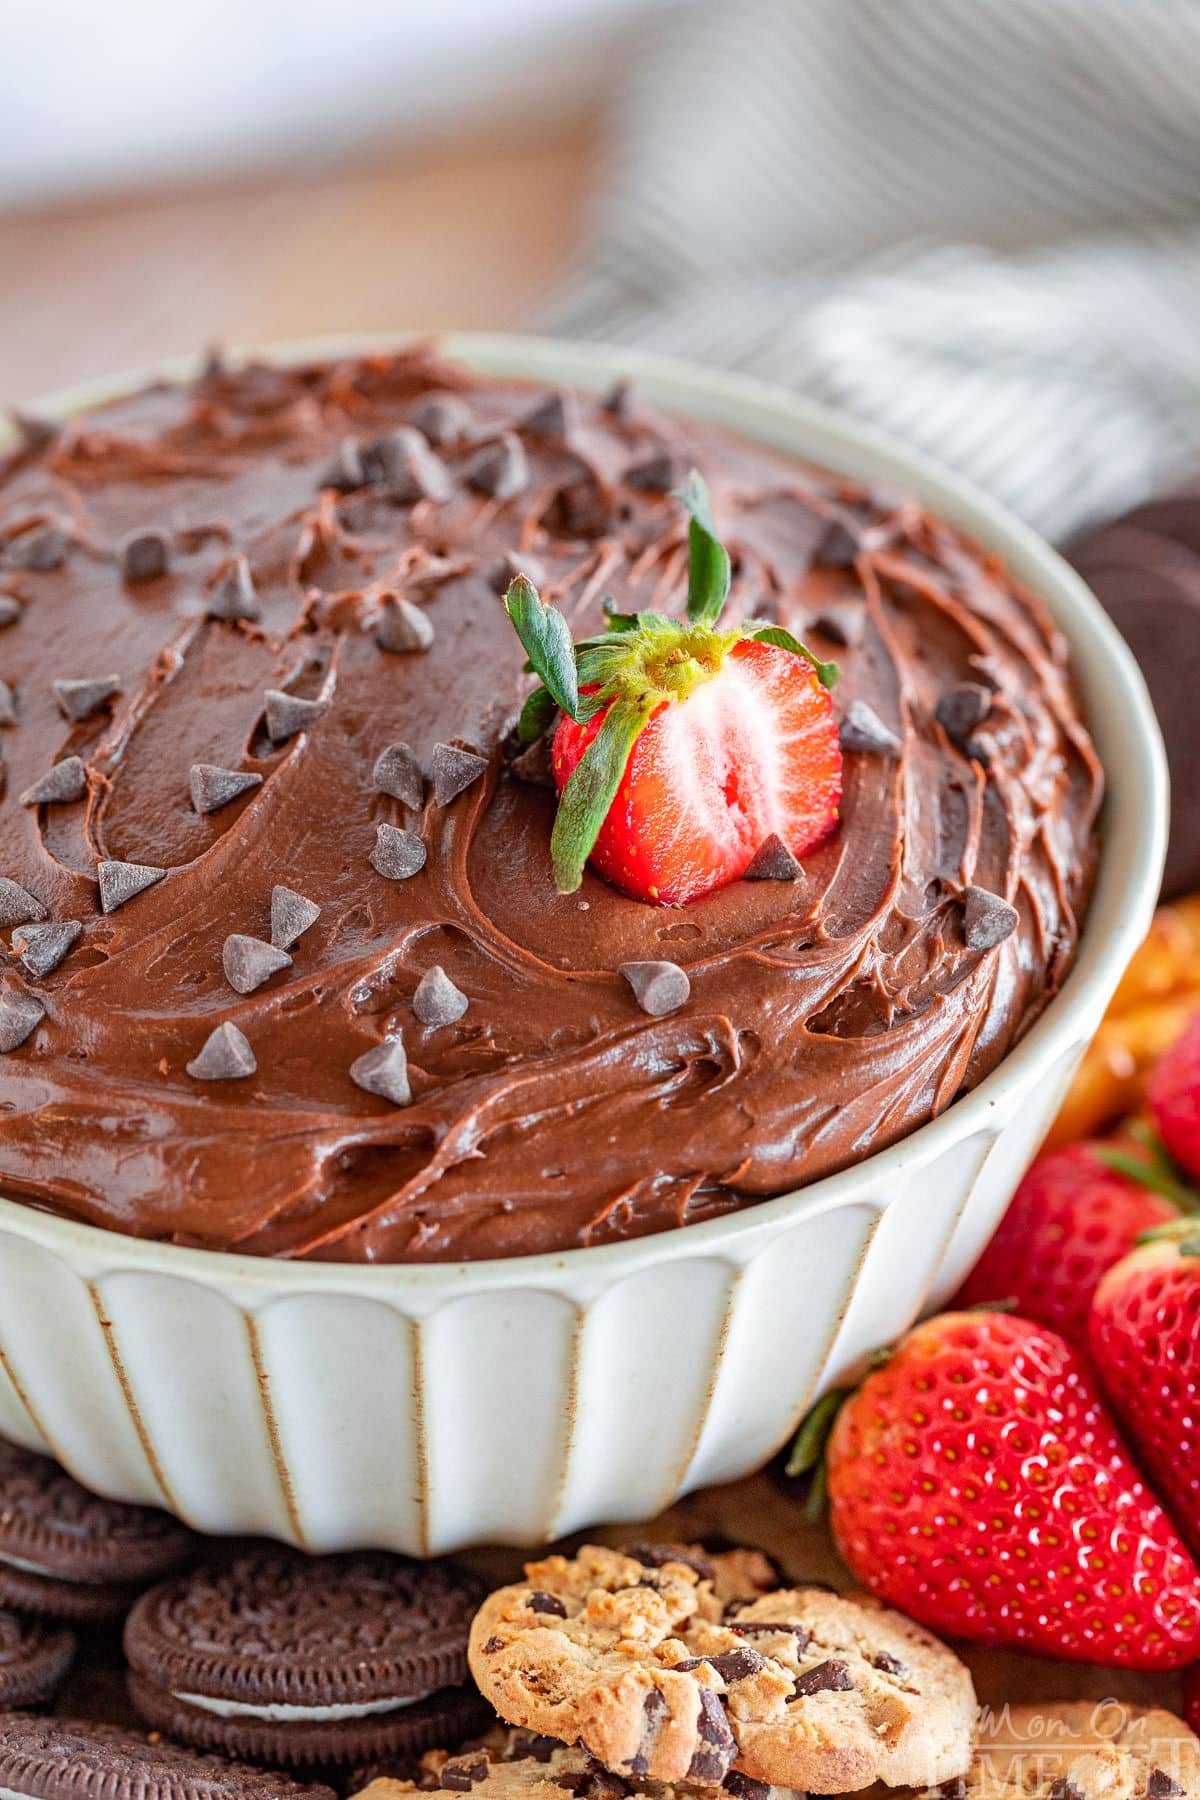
column 67, row 1554
column 34, row 1659
column 297, row 1660
column 66, row 1759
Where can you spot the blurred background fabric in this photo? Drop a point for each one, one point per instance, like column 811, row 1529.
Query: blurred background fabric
column 975, row 222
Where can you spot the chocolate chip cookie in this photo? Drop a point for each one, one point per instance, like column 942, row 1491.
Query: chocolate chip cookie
column 1082, row 1750
column 655, row 1668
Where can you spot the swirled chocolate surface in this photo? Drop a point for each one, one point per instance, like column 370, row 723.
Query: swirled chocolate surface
column 827, row 1016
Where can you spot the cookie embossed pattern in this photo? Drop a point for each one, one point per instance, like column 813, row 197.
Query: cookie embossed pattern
column 384, row 1362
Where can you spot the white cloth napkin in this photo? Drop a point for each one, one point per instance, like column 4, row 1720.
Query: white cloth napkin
column 975, row 222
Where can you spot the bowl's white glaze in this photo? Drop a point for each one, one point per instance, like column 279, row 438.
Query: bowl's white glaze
column 421, row 1408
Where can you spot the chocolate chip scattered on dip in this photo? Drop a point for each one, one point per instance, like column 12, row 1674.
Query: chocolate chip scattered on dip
column 288, row 970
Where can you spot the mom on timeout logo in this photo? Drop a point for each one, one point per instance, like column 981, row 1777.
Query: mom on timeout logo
column 1078, row 1751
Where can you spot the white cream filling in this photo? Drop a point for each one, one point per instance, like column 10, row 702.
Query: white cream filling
column 30, row 1568
column 282, row 1714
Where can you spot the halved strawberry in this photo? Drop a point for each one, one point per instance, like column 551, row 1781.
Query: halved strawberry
column 750, row 754
column 685, row 754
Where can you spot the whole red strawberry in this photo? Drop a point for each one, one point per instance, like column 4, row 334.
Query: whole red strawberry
column 1175, row 1098
column 1145, row 1342
column 1072, row 1217
column 977, row 1482
column 687, row 756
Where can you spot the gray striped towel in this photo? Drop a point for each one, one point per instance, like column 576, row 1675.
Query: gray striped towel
column 975, row 222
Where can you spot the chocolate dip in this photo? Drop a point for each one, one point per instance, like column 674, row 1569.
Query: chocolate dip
column 828, row 1016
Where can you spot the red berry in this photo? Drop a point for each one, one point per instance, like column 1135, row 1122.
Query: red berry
column 1175, row 1098
column 752, row 752
column 1071, row 1218
column 977, row 1483
column 1145, row 1342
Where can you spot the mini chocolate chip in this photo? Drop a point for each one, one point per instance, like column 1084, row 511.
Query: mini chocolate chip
column 384, row 1071
column 437, row 1001
column 226, row 1056
column 248, row 962
column 144, row 555
column 460, row 1776
column 398, row 854
column 42, row 947
column 888, row 1664
column 743, row 1787
column 1065, row 1789
column 987, row 919
column 66, row 782
column 658, row 987
column 493, row 1644
column 345, row 472
column 18, row 906
column 78, row 700
column 843, row 625
column 233, row 596
column 657, row 1556
column 20, row 1014
column 546, row 1603
column 212, row 787
column 657, row 473
column 594, row 1783
column 499, row 469
column 769, row 1628
column 838, row 548
column 40, row 549
column 621, row 398
column 711, row 1762
column 579, row 509
column 288, row 714
column 773, row 861
column 402, row 627
column 863, row 729
column 535, row 766
column 124, row 881
column 442, row 418
column 549, row 418
column 10, row 610
column 961, row 708
column 35, row 434
column 528, row 1746
column 830, row 1677
column 408, row 468
column 453, row 770
column 506, row 568
column 8, row 705
column 398, row 774
column 730, row 1665
column 1160, row 1786
column 291, row 916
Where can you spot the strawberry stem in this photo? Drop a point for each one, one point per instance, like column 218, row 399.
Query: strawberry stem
column 808, row 1447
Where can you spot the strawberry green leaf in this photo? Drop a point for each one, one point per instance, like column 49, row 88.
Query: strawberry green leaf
column 827, row 672
column 1151, row 1174
column 591, row 791
column 708, row 572
column 618, row 621
column 537, row 715
column 808, row 1450
column 546, row 637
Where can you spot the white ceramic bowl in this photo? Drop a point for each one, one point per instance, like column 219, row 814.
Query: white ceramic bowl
column 423, row 1408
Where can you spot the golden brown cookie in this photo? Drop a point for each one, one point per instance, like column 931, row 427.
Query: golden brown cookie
column 659, row 1671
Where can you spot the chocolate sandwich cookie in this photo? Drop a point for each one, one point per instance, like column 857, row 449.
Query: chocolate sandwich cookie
column 34, row 1658
column 67, row 1759
column 301, row 1660
column 67, row 1554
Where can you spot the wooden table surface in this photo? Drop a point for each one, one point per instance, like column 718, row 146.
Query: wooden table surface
column 452, row 235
